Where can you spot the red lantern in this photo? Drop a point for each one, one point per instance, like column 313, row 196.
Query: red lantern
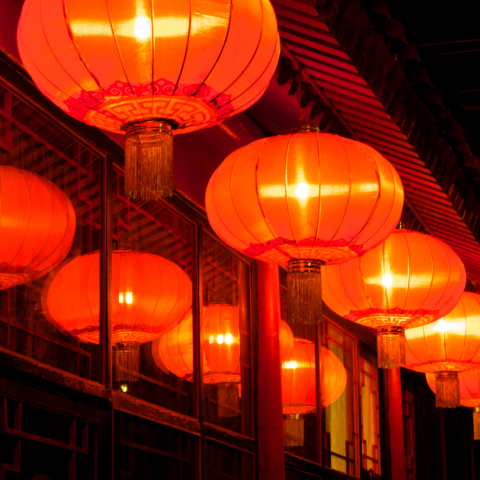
column 150, row 296
column 37, row 226
column 469, row 382
column 298, row 379
column 221, row 355
column 150, row 69
column 303, row 200
column 411, row 279
column 299, row 395
column 446, row 347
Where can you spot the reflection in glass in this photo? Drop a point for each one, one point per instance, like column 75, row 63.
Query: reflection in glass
column 340, row 440
column 73, row 167
column 370, row 415
column 226, row 338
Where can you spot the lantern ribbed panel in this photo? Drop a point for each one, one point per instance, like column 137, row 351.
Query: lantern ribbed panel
column 150, row 295
column 409, row 280
column 449, row 344
column 298, row 379
column 37, row 226
column 469, row 387
column 174, row 349
column 350, row 198
column 192, row 62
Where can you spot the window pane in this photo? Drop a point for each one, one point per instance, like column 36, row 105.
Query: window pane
column 35, row 320
column 340, row 442
column 226, row 338
column 224, row 463
column 299, row 396
column 370, row 416
column 152, row 291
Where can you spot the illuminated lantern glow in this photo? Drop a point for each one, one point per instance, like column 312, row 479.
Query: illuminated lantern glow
column 174, row 349
column 302, row 200
column 469, row 383
column 150, row 296
column 150, row 69
column 446, row 347
column 221, row 343
column 37, row 226
column 299, row 395
column 298, row 378
column 411, row 279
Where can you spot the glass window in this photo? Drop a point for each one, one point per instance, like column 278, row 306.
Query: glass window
column 340, row 437
column 409, row 432
column 152, row 291
column 225, row 323
column 370, row 415
column 37, row 318
column 224, row 463
column 299, row 397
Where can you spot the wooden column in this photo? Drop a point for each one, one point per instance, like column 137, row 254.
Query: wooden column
column 395, row 415
column 270, row 416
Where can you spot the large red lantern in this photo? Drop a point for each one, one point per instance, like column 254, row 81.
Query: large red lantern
column 446, row 347
column 299, row 395
column 303, row 200
column 411, row 279
column 37, row 226
column 150, row 295
column 469, row 383
column 150, row 69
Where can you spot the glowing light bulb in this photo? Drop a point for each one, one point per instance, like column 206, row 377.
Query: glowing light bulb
column 228, row 338
column 219, row 339
column 124, row 388
column 142, row 28
column 292, row 365
column 120, row 298
column 129, row 297
column 302, row 191
column 443, row 326
column 387, row 280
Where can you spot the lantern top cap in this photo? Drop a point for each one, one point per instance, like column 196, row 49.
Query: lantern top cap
column 306, row 128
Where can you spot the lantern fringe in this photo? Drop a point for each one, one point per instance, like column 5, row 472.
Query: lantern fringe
column 476, row 423
column 127, row 360
column 390, row 347
column 304, row 292
column 294, row 430
column 148, row 160
column 448, row 390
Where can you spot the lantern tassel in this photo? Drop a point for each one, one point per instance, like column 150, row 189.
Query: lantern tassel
column 476, row 423
column 148, row 160
column 127, row 360
column 390, row 347
column 304, row 291
column 448, row 390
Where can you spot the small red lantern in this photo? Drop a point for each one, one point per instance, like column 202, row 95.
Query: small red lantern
column 150, row 69
column 37, row 226
column 410, row 279
column 299, row 395
column 446, row 347
column 150, row 296
column 303, row 200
